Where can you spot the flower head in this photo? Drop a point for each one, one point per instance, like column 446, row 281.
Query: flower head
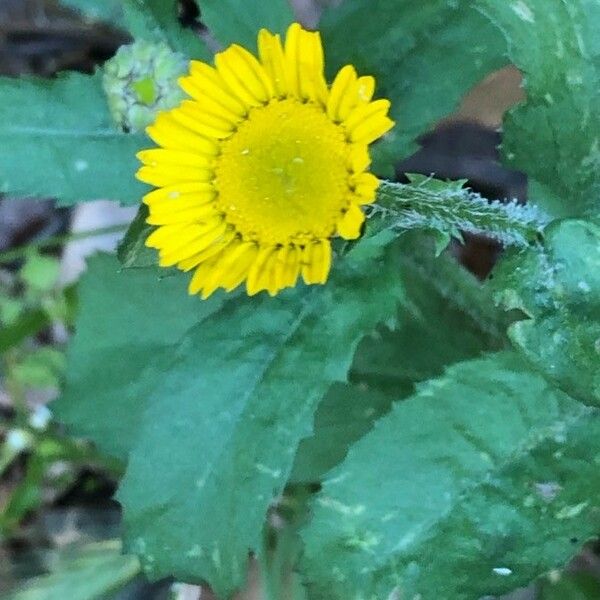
column 262, row 167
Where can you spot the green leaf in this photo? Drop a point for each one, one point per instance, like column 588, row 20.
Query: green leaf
column 126, row 319
column 558, row 287
column 223, row 423
column 41, row 368
column 29, row 322
column 98, row 10
column 424, row 57
column 346, row 413
column 10, row 310
column 445, row 316
column 96, row 572
column 487, row 463
column 132, row 251
column 40, row 272
column 57, row 140
column 553, row 136
column 157, row 20
column 239, row 21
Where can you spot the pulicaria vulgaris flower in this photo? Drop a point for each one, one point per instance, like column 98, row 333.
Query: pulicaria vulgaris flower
column 262, row 167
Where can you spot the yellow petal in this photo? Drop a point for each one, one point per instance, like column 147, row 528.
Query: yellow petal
column 260, row 271
column 365, row 185
column 234, row 265
column 343, row 83
column 359, row 158
column 292, row 58
column 368, row 122
column 273, row 59
column 288, row 266
column 359, row 93
column 170, row 234
column 212, row 107
column 241, row 80
column 351, row 223
column 183, row 194
column 200, row 275
column 162, row 175
column 205, row 81
column 187, row 215
column 253, row 74
column 161, row 156
column 311, row 68
column 364, row 88
column 371, row 130
column 171, row 211
column 168, row 133
column 366, row 111
column 219, row 247
column 195, row 239
column 316, row 262
column 215, row 123
column 190, row 261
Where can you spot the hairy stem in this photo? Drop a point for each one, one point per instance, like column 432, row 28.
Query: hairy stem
column 450, row 208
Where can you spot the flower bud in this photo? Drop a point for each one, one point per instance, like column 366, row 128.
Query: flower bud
column 140, row 81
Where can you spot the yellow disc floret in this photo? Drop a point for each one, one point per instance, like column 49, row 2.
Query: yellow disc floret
column 262, row 167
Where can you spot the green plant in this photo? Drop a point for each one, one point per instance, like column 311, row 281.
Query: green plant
column 31, row 302
column 438, row 436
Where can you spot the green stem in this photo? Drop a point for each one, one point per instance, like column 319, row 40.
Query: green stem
column 57, row 240
column 449, row 208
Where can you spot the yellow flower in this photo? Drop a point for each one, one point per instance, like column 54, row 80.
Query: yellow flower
column 262, row 166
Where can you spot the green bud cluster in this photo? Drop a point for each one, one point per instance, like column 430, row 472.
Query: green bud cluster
column 140, row 81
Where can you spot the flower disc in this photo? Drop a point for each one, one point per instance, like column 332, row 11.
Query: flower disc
column 262, row 167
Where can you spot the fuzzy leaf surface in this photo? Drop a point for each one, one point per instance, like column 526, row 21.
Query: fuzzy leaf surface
column 488, row 462
column 220, row 433
column 449, row 209
column 557, row 286
column 553, row 136
column 425, row 57
column 57, row 140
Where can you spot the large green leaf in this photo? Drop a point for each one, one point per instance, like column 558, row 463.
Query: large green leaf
column 425, row 56
column 223, row 423
column 57, row 140
column 558, row 287
column 158, row 20
column 127, row 318
column 554, row 135
column 446, row 316
column 97, row 571
column 239, row 21
column 482, row 480
column 346, row 413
